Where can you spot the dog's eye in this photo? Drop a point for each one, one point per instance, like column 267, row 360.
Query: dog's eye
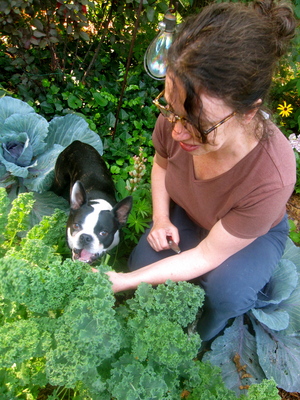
column 76, row 227
column 103, row 233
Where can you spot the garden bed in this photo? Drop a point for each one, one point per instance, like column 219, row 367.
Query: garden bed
column 289, row 396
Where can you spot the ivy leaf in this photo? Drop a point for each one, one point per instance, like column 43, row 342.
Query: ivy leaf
column 74, row 102
column 100, row 100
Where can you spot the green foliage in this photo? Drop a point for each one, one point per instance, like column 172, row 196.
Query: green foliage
column 286, row 88
column 182, row 305
column 17, row 221
column 294, row 233
column 265, row 390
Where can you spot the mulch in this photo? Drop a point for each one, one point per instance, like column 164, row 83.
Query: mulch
column 289, row 396
column 293, row 209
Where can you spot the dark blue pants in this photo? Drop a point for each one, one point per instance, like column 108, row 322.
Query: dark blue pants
column 232, row 288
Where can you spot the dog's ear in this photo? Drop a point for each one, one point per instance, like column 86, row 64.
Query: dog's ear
column 122, row 209
column 78, row 196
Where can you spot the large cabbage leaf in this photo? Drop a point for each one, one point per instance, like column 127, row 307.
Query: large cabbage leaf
column 41, row 175
column 9, row 106
column 282, row 284
column 273, row 318
column 64, row 130
column 292, row 253
column 279, row 356
column 236, row 347
column 22, row 140
column 292, row 307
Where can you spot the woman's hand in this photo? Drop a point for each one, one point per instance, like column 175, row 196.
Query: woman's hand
column 162, row 228
column 118, row 280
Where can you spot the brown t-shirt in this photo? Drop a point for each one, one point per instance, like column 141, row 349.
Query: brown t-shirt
column 250, row 198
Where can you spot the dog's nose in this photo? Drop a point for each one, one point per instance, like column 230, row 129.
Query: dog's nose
column 85, row 239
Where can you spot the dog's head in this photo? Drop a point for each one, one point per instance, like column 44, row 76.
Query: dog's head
column 93, row 225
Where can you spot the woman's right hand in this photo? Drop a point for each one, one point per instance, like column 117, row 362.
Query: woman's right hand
column 161, row 229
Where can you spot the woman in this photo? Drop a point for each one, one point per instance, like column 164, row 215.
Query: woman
column 222, row 172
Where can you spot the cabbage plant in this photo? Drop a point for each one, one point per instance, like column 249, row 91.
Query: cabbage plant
column 266, row 342
column 29, row 144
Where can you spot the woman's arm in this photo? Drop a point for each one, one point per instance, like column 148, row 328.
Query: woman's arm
column 209, row 254
column 162, row 226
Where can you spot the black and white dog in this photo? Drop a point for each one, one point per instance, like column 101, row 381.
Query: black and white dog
column 95, row 217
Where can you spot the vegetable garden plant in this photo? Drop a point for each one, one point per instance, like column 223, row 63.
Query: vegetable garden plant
column 63, row 67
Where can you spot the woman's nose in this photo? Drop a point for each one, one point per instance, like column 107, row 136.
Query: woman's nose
column 180, row 133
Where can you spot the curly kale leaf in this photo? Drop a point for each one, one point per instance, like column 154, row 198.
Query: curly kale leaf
column 211, row 386
column 18, row 218
column 163, row 341
column 39, row 289
column 264, row 390
column 51, row 230
column 22, row 340
column 4, row 210
column 177, row 302
column 26, row 377
column 88, row 334
column 131, row 380
column 158, row 348
column 34, row 251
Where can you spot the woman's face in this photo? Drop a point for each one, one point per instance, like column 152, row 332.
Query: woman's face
column 213, row 111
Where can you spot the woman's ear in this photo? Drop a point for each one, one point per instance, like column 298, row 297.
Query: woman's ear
column 249, row 115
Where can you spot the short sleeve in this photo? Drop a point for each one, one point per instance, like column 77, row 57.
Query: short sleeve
column 258, row 213
column 162, row 136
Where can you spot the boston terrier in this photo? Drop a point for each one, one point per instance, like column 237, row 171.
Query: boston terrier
column 95, row 217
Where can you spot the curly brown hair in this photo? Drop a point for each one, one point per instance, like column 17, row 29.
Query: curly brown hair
column 231, row 50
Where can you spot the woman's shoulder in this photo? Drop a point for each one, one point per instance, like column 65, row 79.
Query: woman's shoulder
column 277, row 154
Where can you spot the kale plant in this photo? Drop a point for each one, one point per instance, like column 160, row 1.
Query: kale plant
column 60, row 324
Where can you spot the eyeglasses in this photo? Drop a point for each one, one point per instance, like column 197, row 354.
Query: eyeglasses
column 173, row 118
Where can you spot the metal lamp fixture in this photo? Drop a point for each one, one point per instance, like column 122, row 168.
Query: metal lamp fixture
column 155, row 60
